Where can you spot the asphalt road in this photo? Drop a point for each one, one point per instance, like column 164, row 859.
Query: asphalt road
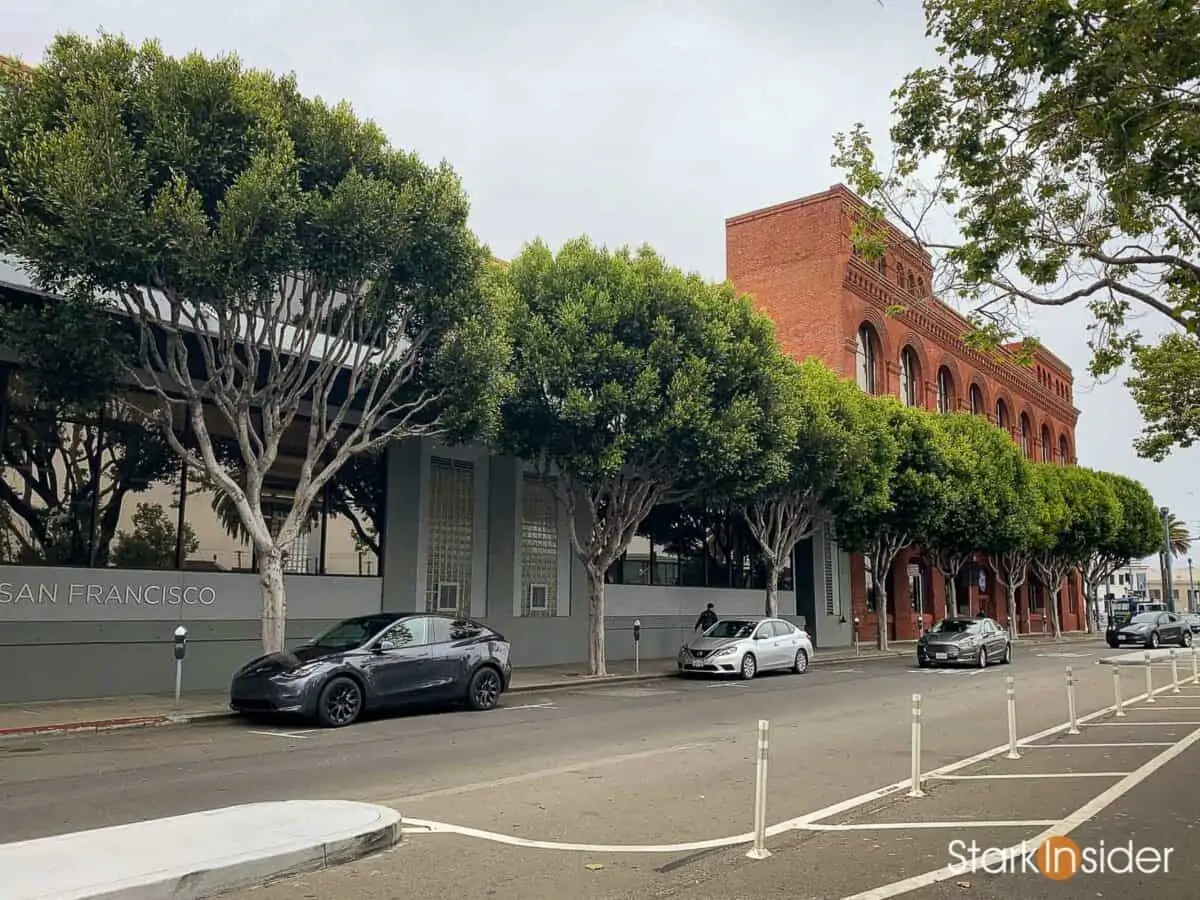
column 671, row 762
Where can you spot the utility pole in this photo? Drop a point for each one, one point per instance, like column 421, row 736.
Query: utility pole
column 1191, row 588
column 1168, row 587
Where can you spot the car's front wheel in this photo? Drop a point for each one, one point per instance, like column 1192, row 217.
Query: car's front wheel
column 1153, row 642
column 981, row 661
column 340, row 703
column 1007, row 654
column 484, row 691
column 749, row 666
column 1186, row 640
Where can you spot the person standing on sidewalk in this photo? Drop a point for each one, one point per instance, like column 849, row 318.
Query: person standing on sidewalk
column 707, row 619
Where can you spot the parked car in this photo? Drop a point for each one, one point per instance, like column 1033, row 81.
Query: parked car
column 747, row 646
column 976, row 642
column 378, row 662
column 1121, row 613
column 1192, row 620
column 1152, row 629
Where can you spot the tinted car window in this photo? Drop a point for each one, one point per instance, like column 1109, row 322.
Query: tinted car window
column 957, row 626
column 1144, row 619
column 782, row 629
column 444, row 630
column 352, row 632
column 408, row 632
column 731, row 628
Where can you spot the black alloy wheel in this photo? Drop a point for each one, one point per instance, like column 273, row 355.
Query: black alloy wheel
column 340, row 704
column 484, row 692
column 1153, row 640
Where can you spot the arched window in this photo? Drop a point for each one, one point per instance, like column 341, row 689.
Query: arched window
column 912, row 284
column 945, row 390
column 1002, row 415
column 1026, row 436
column 920, row 287
column 900, row 276
column 881, row 265
column 866, row 359
column 910, row 377
column 1064, row 450
column 1047, row 447
column 975, row 397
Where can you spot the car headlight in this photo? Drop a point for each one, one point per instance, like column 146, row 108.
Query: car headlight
column 301, row 671
column 726, row 651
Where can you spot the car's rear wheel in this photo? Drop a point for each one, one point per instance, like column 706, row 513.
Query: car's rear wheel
column 800, row 666
column 340, row 703
column 484, row 691
column 749, row 666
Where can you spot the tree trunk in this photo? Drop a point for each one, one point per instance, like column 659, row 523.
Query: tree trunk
column 881, row 613
column 1010, row 591
column 772, row 589
column 951, row 597
column 274, row 611
column 1054, row 615
column 597, row 663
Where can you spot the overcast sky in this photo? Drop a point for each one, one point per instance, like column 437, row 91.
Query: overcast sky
column 629, row 121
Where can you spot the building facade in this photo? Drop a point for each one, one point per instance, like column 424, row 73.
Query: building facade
column 878, row 323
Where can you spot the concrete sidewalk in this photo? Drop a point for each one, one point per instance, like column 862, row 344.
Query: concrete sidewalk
column 108, row 713
column 197, row 855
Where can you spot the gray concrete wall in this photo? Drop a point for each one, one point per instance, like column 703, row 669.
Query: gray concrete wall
column 71, row 633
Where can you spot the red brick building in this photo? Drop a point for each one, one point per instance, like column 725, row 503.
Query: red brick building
column 797, row 260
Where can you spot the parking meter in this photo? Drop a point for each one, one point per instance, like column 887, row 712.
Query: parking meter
column 856, row 635
column 180, row 652
column 637, row 645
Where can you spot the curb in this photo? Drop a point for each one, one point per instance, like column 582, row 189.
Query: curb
column 197, row 870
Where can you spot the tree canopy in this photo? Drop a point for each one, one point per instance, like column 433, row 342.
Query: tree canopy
column 1062, row 137
column 1139, row 532
column 636, row 384
column 261, row 252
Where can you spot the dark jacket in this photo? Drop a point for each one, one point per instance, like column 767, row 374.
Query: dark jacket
column 707, row 620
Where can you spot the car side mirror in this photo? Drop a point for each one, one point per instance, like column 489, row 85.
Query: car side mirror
column 384, row 646
column 760, row 637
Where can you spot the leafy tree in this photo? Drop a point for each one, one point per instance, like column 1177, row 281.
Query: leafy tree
column 983, row 468
column 225, row 217
column 1061, row 135
column 637, row 385
column 1078, row 512
column 1138, row 535
column 1166, row 387
column 834, row 453
column 1180, row 535
column 154, row 540
column 1009, row 544
column 917, row 498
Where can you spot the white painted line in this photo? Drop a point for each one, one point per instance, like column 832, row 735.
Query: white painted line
column 746, row 837
column 1141, row 724
column 1079, row 817
column 283, row 734
column 1076, row 746
column 845, row 671
column 905, row 826
column 1021, row 775
column 547, row 705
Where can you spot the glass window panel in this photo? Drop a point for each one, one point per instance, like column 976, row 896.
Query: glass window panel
column 450, row 526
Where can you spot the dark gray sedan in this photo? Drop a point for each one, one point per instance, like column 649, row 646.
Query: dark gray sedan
column 973, row 642
column 378, row 662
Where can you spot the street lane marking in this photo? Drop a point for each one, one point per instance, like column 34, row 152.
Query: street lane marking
column 793, row 824
column 1020, row 775
column 1141, row 724
column 1070, row 823
column 298, row 735
column 549, row 704
column 898, row 826
column 1075, row 746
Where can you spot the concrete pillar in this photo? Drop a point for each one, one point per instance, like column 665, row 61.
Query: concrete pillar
column 403, row 548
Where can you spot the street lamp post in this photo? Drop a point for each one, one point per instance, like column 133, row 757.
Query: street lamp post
column 1191, row 588
column 1168, row 587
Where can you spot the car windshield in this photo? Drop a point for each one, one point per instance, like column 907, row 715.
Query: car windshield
column 1146, row 618
column 352, row 632
column 731, row 628
column 956, row 626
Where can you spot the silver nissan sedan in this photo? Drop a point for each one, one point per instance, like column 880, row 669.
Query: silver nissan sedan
column 747, row 646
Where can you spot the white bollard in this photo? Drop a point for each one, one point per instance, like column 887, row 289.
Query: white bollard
column 1149, row 681
column 759, row 850
column 1116, row 670
column 1011, row 690
column 1174, row 672
column 1074, row 729
column 916, row 748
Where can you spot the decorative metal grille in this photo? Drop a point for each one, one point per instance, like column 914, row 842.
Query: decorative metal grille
column 450, row 524
column 833, row 596
column 539, row 549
